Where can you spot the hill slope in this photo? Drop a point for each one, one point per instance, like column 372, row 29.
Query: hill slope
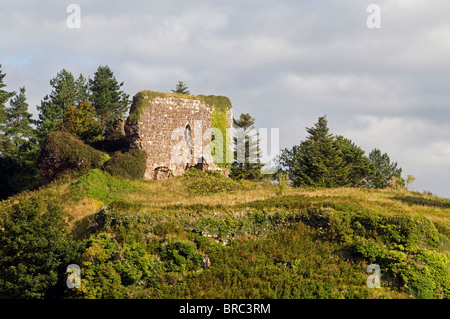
column 205, row 236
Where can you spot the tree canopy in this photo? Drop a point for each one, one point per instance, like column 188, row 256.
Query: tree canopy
column 384, row 169
column 325, row 160
column 109, row 100
column 34, row 248
column 66, row 91
column 4, row 98
column 247, row 163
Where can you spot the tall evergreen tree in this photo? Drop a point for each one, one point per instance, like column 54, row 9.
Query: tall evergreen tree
column 20, row 149
column 18, row 128
column 384, row 169
column 316, row 161
column 82, row 89
column 4, row 98
column 66, row 91
column 247, row 156
column 360, row 169
column 4, row 95
column 181, row 88
column 109, row 101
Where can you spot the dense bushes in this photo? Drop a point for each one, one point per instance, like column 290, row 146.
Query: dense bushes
column 109, row 267
column 64, row 153
column 113, row 268
column 309, row 244
column 403, row 246
column 130, row 164
column 35, row 248
column 80, row 120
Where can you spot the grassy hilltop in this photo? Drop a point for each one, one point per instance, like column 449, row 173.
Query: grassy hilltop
column 205, row 236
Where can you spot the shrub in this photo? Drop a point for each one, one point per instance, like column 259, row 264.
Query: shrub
column 34, row 248
column 180, row 256
column 283, row 183
column 205, row 183
column 64, row 153
column 80, row 120
column 426, row 275
column 130, row 164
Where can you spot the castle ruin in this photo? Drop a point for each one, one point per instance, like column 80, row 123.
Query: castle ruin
column 175, row 130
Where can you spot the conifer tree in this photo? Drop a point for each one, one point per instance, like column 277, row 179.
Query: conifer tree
column 324, row 160
column 181, row 88
column 66, row 91
column 18, row 170
column 360, row 169
column 18, row 128
column 384, row 169
column 247, row 155
column 109, row 101
column 316, row 161
column 4, row 98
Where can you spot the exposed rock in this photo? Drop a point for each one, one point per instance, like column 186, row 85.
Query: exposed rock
column 206, row 262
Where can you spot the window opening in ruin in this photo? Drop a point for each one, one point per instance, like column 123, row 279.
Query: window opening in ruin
column 188, row 141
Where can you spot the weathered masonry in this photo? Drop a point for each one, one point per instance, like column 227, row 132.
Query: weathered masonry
column 175, row 131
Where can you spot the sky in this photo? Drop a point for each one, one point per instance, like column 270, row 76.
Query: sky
column 285, row 62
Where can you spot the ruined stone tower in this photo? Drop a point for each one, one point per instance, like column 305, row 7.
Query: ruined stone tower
column 175, row 131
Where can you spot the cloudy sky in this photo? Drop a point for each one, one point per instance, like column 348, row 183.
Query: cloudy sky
column 284, row 62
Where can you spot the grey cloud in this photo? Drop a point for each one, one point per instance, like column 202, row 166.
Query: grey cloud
column 284, row 62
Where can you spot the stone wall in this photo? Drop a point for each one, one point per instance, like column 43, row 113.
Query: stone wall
column 173, row 132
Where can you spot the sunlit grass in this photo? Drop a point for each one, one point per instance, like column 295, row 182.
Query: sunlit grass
column 260, row 244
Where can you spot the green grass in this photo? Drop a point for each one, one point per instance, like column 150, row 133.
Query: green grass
column 101, row 186
column 152, row 236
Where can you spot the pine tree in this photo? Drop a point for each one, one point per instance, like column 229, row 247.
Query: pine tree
column 109, row 101
column 18, row 124
column 82, row 88
column 316, row 161
column 66, row 91
column 247, row 163
column 181, row 88
column 20, row 149
column 4, row 98
column 360, row 169
column 4, row 95
column 384, row 169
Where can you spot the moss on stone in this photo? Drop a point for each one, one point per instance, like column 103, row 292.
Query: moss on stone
column 218, row 102
column 141, row 99
column 219, row 120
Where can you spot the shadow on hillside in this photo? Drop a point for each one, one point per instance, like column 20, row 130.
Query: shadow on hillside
column 412, row 200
